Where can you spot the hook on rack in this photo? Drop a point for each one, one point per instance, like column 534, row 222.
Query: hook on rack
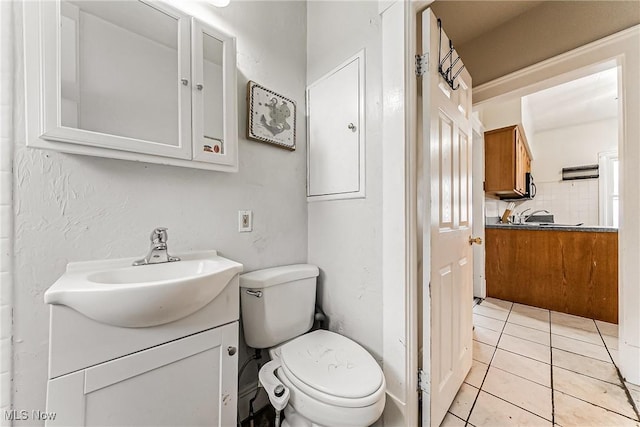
column 448, row 74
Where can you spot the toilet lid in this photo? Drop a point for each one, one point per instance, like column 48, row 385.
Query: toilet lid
column 332, row 364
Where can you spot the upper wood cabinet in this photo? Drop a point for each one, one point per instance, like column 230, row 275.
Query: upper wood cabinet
column 135, row 80
column 507, row 160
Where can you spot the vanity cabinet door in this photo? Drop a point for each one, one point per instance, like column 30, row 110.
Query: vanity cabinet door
column 119, row 78
column 191, row 381
column 215, row 128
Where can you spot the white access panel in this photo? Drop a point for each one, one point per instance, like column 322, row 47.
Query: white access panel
column 335, row 111
column 188, row 382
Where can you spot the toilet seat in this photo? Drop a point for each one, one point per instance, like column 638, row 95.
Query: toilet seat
column 332, row 369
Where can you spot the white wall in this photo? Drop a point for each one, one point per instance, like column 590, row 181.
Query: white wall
column 73, row 208
column 571, row 202
column 345, row 236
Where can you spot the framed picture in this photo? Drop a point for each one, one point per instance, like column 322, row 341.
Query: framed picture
column 272, row 117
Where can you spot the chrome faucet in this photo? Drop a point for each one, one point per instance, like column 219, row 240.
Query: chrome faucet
column 158, row 252
column 533, row 213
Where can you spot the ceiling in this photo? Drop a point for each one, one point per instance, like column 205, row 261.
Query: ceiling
column 465, row 20
column 585, row 100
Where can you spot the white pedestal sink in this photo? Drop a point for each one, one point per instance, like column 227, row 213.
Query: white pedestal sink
column 116, row 293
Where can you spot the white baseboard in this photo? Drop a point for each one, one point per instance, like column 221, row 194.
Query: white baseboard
column 244, row 396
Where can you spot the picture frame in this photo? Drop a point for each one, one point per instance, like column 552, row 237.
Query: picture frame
column 271, row 117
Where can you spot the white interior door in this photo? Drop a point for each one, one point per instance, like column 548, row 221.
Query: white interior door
column 446, row 224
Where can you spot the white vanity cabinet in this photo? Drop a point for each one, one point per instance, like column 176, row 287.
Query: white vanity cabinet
column 137, row 80
column 188, row 382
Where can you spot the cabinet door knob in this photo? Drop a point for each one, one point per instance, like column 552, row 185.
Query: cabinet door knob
column 476, row 240
column 184, row 81
column 352, row 127
column 199, row 87
column 231, row 350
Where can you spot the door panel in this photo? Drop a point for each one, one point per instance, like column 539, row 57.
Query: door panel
column 446, row 306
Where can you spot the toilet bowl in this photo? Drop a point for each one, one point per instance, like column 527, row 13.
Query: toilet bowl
column 330, row 380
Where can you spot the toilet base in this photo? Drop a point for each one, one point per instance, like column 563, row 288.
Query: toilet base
column 294, row 419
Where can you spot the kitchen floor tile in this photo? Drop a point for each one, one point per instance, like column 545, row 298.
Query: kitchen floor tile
column 529, row 334
column 482, row 352
column 489, row 311
column 522, row 366
column 488, row 322
column 594, row 391
column 607, row 328
column 614, row 356
column 577, row 334
column 531, row 312
column 610, row 342
column 492, row 411
column 497, row 303
column 525, row 348
column 580, row 347
column 573, row 321
column 570, row 411
column 462, row 403
column 451, row 420
column 530, row 322
column 476, row 374
column 634, row 390
column 519, row 391
column 584, row 365
column 486, row 336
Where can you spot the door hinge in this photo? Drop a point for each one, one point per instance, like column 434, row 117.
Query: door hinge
column 423, row 381
column 422, row 64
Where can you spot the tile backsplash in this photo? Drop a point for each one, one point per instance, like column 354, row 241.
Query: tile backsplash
column 571, row 202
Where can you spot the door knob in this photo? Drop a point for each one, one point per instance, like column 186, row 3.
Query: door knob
column 476, row 240
column 231, row 350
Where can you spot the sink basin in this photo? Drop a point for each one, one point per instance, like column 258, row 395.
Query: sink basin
column 115, row 293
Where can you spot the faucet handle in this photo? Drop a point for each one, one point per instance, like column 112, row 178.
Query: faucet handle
column 159, row 235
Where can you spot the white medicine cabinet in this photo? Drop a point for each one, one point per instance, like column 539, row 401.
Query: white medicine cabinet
column 132, row 80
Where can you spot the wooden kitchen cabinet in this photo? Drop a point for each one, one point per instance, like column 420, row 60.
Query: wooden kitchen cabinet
column 507, row 161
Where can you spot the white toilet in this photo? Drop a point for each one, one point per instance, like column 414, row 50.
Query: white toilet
column 329, row 380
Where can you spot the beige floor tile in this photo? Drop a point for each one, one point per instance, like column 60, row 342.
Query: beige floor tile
column 525, row 367
column 525, row 348
column 476, row 374
column 490, row 311
column 577, row 334
column 529, row 334
column 519, row 391
column 498, row 303
column 573, row 321
column 610, row 342
column 532, row 312
column 451, row 420
column 607, row 328
column 634, row 390
column 589, row 366
column 491, row 411
column 591, row 390
column 486, row 336
column 462, row 403
column 614, row 356
column 570, row 411
column 482, row 352
column 580, row 347
column 530, row 322
column 488, row 322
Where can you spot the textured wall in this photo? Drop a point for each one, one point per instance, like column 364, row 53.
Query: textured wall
column 73, row 208
column 345, row 236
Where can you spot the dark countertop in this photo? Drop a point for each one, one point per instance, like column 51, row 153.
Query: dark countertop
column 554, row 227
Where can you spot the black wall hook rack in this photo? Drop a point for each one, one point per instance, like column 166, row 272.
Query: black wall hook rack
column 447, row 73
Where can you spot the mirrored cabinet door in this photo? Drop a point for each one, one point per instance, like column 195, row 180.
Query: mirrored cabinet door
column 214, row 87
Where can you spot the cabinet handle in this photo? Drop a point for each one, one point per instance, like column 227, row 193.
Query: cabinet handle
column 184, row 81
column 199, row 87
column 351, row 127
column 231, row 350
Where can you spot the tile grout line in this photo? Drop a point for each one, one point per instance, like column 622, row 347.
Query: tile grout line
column 495, row 349
column 597, row 406
column 620, row 377
column 553, row 401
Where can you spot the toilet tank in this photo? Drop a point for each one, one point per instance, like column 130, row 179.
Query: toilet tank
column 277, row 304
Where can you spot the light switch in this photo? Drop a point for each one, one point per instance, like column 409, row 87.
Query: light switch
column 245, row 221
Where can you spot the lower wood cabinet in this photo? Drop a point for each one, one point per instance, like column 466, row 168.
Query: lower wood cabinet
column 573, row 272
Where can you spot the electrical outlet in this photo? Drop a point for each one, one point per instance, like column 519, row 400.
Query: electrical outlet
column 245, row 221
